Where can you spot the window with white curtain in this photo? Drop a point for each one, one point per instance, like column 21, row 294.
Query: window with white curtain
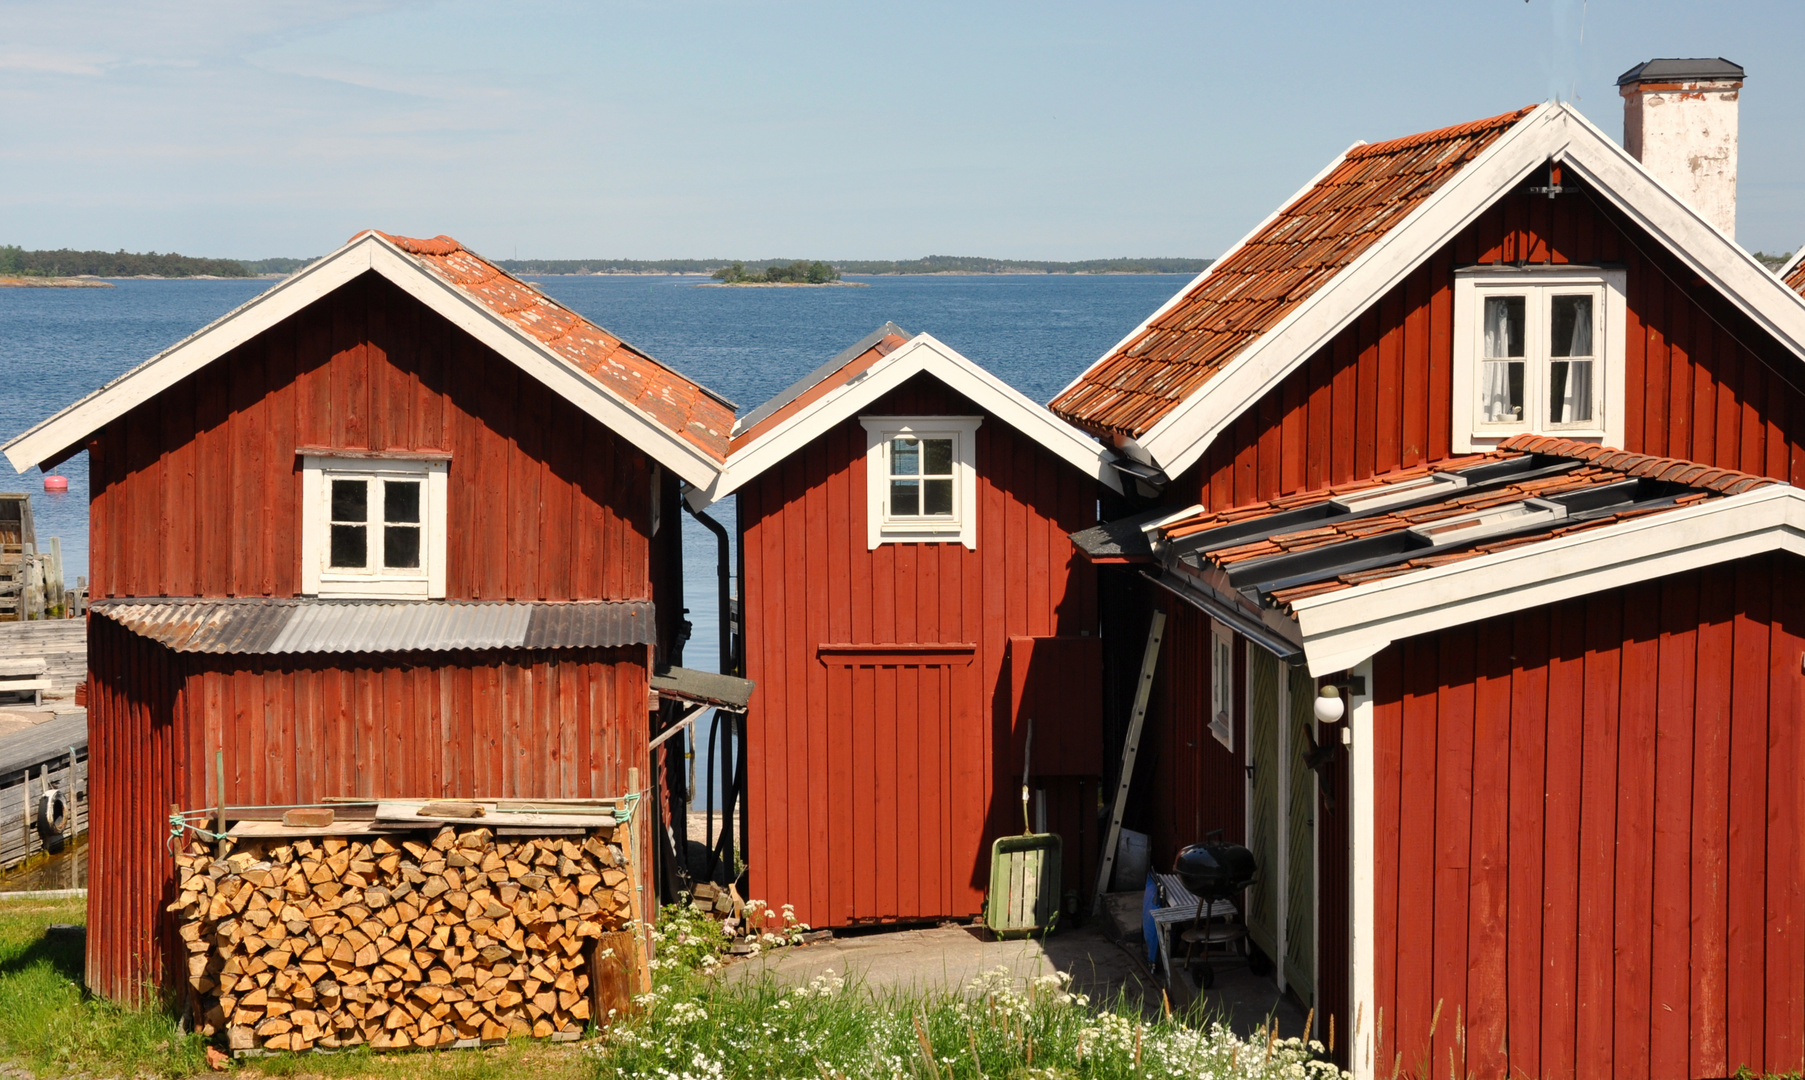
column 1222, row 684
column 1540, row 350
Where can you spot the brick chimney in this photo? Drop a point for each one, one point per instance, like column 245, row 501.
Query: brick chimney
column 1679, row 120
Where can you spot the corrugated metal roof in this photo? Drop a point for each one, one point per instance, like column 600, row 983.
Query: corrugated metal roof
column 698, row 415
column 1255, row 286
column 1304, row 545
column 272, row 626
column 703, row 687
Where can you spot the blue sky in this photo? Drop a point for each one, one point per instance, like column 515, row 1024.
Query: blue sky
column 823, row 130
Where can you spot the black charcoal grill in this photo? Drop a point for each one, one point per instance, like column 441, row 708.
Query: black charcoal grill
column 1214, row 871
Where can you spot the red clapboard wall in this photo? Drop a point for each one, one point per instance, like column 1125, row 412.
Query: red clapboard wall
column 197, row 493
column 1588, row 821
column 876, row 775
column 1198, row 784
column 1704, row 381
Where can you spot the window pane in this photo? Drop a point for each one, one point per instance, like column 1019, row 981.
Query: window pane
column 1504, row 324
column 1501, row 393
column 938, row 455
column 1570, row 332
column 905, row 457
column 905, row 498
column 350, row 545
column 401, row 500
column 351, row 501
column 401, row 547
column 1570, row 391
column 939, row 497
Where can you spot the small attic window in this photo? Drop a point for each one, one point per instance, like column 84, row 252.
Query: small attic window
column 1466, row 528
column 921, row 483
column 373, row 527
column 1538, row 350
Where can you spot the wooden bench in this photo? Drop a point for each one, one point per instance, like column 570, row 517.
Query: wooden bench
column 23, row 680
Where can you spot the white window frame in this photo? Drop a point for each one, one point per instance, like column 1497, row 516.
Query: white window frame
column 1472, row 285
column 318, row 579
column 962, row 527
column 1222, row 684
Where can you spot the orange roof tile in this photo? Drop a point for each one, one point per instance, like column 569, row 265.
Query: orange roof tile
column 1796, row 279
column 1600, row 465
column 694, row 413
column 1257, row 284
column 839, row 377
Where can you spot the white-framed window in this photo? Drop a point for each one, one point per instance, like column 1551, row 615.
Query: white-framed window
column 373, row 526
column 921, row 480
column 1222, row 684
column 1537, row 349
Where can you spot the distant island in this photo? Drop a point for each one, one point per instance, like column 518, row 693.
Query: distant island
column 64, row 264
column 796, row 273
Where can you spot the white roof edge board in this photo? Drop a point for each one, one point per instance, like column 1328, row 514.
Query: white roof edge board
column 1788, row 266
column 1552, row 131
column 922, row 353
column 1218, row 261
column 1342, row 628
column 366, row 252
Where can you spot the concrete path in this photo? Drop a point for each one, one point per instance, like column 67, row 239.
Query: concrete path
column 952, row 957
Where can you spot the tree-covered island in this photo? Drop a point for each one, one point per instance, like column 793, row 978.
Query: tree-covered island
column 796, row 273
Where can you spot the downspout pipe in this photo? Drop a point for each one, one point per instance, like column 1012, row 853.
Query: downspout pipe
column 731, row 783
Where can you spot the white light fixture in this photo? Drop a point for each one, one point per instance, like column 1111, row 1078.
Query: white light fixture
column 1329, row 706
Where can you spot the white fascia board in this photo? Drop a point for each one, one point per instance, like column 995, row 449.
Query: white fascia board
column 1182, row 435
column 1343, row 628
column 923, row 353
column 244, row 322
column 1214, row 263
column 1723, row 263
column 570, row 382
column 367, row 252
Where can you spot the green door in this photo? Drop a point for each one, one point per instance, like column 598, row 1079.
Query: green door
column 1300, row 835
column 1264, row 805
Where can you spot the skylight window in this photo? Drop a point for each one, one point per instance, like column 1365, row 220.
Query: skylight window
column 1466, row 528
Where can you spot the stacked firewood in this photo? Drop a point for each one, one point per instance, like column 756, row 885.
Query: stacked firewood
column 399, row 940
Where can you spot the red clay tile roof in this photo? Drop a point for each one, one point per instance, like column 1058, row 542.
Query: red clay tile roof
column 1600, row 465
column 842, row 375
column 685, row 407
column 1257, row 284
column 1796, row 279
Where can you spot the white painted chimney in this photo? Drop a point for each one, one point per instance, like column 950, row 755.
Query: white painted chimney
column 1679, row 120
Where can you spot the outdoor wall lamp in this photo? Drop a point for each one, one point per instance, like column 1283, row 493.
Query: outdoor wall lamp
column 1329, row 706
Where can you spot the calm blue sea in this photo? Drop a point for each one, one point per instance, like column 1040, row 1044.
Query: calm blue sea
column 1037, row 332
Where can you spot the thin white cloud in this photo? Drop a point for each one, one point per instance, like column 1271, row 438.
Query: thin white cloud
column 54, row 63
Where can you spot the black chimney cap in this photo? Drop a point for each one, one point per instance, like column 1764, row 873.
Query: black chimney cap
column 1681, row 71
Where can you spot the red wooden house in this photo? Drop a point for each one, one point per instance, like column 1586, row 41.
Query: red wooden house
column 1494, row 432
column 911, row 599
column 399, row 527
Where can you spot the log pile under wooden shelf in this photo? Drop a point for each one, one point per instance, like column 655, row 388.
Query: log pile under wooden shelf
column 401, row 939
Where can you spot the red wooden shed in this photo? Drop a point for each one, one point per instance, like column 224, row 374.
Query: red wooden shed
column 401, row 526
column 1372, row 448
column 911, row 598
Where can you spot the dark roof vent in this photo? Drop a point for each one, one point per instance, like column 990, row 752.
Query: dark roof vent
column 1681, row 71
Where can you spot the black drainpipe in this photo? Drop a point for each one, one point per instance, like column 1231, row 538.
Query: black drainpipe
column 733, row 779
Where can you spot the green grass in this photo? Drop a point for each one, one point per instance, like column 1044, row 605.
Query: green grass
column 52, row 1026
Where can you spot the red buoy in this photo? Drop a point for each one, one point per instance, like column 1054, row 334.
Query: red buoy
column 56, row 483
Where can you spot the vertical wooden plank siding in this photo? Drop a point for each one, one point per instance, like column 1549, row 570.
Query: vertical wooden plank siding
column 1617, row 889
column 197, row 492
column 156, row 718
column 1704, row 382
column 877, row 785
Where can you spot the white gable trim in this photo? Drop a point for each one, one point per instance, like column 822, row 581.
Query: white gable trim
column 1552, row 131
column 365, row 253
column 923, row 353
column 1341, row 629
